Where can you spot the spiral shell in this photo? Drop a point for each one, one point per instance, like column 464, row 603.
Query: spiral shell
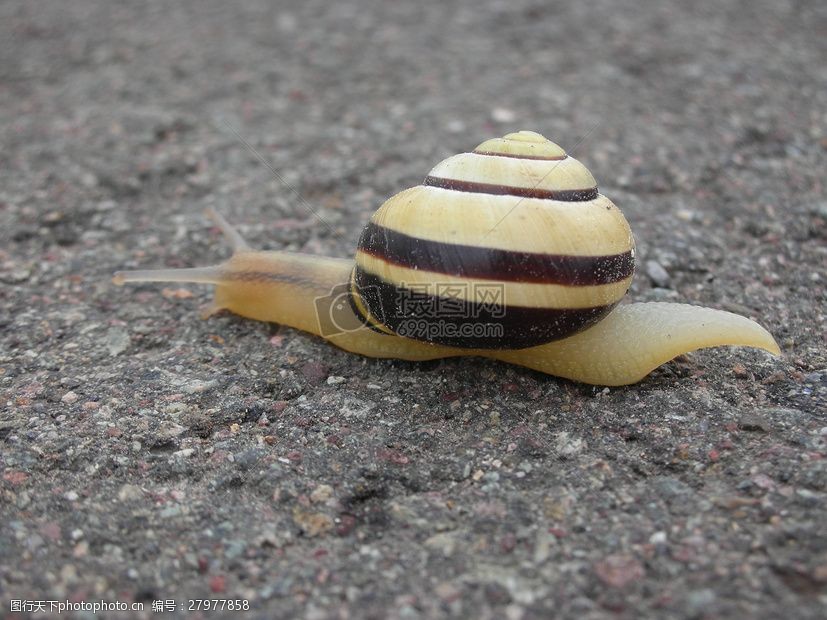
column 509, row 246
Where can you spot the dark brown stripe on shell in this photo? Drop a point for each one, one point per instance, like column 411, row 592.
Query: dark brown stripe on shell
column 357, row 311
column 510, row 327
column 493, row 264
column 516, row 156
column 567, row 195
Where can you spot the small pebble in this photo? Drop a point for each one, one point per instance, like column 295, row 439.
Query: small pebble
column 619, row 570
column 568, row 446
column 698, row 600
column 196, row 386
column 657, row 274
column 739, row 370
column 117, row 341
column 314, row 372
column 753, row 422
column 130, row 492
column 503, row 115
column 15, row 275
column 312, row 523
column 455, row 126
column 321, row 493
column 81, row 549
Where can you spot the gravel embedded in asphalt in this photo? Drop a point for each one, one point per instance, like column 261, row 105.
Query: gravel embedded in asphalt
column 147, row 454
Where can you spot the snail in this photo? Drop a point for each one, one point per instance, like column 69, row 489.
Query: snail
column 507, row 252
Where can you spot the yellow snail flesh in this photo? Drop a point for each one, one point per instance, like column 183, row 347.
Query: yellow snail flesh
column 513, row 237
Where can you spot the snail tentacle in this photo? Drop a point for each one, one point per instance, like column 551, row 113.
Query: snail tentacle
column 200, row 275
column 237, row 242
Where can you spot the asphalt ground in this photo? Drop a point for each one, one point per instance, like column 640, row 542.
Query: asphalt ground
column 148, row 455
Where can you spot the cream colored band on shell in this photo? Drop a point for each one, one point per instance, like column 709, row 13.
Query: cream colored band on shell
column 561, row 175
column 529, row 295
column 593, row 228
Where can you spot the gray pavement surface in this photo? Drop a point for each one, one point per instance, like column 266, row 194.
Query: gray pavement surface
column 146, row 454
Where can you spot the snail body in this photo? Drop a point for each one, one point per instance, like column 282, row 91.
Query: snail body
column 508, row 252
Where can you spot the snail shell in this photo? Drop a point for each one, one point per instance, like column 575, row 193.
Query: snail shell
column 514, row 235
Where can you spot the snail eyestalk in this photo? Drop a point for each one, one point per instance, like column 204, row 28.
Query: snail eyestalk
column 237, row 242
column 195, row 275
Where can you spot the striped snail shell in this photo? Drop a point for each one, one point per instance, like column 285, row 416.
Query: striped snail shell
column 513, row 236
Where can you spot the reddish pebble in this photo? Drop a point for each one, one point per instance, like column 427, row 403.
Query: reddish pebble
column 619, row 570
column 739, row 370
column 508, row 543
column 51, row 530
column 345, row 525
column 314, row 372
column 176, row 293
column 393, row 456
column 15, row 477
column 218, row 583
column 449, row 397
column 762, row 481
column 219, row 456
